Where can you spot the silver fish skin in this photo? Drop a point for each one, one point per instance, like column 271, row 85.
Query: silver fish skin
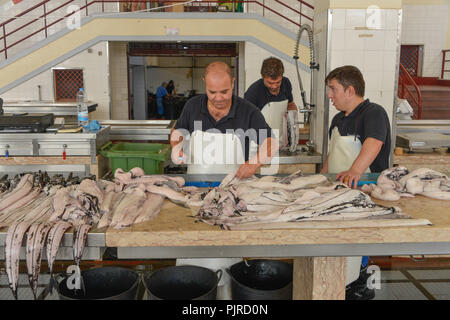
column 18, row 193
column 131, row 202
column 13, row 243
column 36, row 237
column 107, row 216
column 150, row 208
column 54, row 239
column 80, row 234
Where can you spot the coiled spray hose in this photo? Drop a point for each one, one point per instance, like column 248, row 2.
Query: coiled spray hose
column 312, row 64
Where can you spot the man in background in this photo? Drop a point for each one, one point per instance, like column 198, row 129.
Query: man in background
column 161, row 92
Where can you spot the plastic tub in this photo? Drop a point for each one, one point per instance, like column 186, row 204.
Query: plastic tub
column 149, row 157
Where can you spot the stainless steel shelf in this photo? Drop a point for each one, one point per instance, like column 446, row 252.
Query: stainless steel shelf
column 57, row 108
column 139, row 130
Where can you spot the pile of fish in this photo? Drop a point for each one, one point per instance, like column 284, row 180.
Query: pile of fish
column 397, row 182
column 136, row 197
column 28, row 203
column 294, row 198
column 43, row 209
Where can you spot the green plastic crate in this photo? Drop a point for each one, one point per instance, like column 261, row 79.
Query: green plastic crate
column 148, row 156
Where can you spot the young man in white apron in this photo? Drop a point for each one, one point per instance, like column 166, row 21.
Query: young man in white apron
column 360, row 141
column 216, row 124
column 272, row 90
column 272, row 94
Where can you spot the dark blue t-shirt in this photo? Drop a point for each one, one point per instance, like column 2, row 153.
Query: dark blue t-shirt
column 259, row 95
column 369, row 120
column 242, row 115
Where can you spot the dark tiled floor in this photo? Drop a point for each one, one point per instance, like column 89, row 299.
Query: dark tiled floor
column 405, row 279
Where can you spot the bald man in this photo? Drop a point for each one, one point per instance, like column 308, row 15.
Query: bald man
column 220, row 116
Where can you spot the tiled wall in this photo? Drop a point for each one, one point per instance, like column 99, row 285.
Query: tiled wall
column 427, row 25
column 368, row 40
column 118, row 80
column 95, row 73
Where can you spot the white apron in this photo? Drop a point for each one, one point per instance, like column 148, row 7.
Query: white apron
column 342, row 154
column 215, row 153
column 273, row 113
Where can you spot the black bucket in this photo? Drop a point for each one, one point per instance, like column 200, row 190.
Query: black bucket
column 182, row 283
column 108, row 283
column 261, row 280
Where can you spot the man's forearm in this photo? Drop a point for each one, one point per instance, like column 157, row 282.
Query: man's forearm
column 325, row 167
column 369, row 151
column 175, row 138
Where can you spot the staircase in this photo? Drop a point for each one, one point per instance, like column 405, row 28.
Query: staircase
column 435, row 102
column 429, row 97
column 136, row 26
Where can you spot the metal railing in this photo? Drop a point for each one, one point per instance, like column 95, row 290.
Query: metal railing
column 409, row 90
column 444, row 60
column 40, row 13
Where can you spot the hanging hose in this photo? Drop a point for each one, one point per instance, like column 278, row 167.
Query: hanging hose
column 312, row 63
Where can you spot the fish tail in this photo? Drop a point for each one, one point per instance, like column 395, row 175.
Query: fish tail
column 52, row 284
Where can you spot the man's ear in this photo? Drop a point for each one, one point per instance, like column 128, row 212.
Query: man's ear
column 350, row 90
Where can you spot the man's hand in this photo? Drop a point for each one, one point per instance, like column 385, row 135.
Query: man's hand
column 247, row 170
column 176, row 142
column 292, row 106
column 178, row 157
column 350, row 178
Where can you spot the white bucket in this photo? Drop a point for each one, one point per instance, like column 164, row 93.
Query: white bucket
column 353, row 269
column 224, row 285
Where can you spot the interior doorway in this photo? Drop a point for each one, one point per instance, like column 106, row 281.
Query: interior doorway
column 181, row 63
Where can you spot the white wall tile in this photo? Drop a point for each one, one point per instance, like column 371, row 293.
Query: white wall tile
column 376, row 18
column 392, row 17
column 425, row 25
column 338, row 18
column 388, row 80
column 376, row 41
column 373, row 80
column 389, row 60
column 355, row 18
column 354, row 58
column 338, row 40
column 337, row 59
column 373, row 60
column 353, row 39
column 390, row 40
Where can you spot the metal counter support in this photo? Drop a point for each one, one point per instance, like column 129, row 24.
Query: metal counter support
column 284, row 251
